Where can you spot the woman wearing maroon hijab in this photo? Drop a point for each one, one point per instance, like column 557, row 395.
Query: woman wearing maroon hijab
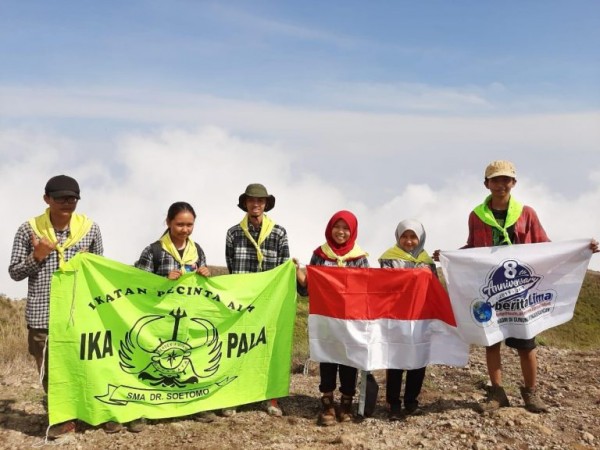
column 339, row 250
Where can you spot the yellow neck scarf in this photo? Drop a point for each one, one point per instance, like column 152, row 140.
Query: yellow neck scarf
column 190, row 252
column 79, row 226
column 265, row 229
column 396, row 252
column 356, row 252
column 486, row 215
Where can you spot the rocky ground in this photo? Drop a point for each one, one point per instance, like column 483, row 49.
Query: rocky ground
column 569, row 382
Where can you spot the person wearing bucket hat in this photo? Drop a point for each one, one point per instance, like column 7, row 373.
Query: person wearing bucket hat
column 256, row 244
column 502, row 220
column 41, row 246
column 256, row 190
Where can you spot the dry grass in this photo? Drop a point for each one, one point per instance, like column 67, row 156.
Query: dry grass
column 300, row 350
column 13, row 333
column 582, row 332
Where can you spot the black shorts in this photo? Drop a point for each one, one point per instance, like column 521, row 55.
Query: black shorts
column 521, row 344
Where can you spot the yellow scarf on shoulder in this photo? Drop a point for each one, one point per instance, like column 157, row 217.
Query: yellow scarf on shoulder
column 355, row 253
column 79, row 226
column 486, row 215
column 265, row 229
column 190, row 252
column 396, row 252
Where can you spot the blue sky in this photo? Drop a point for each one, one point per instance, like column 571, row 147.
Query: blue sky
column 389, row 108
column 259, row 50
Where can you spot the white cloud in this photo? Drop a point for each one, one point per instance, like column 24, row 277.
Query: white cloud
column 405, row 97
column 210, row 168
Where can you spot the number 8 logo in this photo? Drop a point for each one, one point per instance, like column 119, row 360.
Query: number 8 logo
column 510, row 269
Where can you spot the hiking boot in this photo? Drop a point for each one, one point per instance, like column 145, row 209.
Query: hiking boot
column 496, row 399
column 412, row 409
column 327, row 414
column 228, row 412
column 533, row 402
column 61, row 428
column 112, row 427
column 205, row 417
column 395, row 412
column 345, row 411
column 137, row 425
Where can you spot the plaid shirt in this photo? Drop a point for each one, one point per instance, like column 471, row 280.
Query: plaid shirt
column 404, row 264
column 39, row 274
column 240, row 254
column 167, row 262
column 527, row 230
column 316, row 260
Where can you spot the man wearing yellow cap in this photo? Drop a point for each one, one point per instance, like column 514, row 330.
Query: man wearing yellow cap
column 502, row 220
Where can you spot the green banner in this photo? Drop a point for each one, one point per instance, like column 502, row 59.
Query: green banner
column 126, row 344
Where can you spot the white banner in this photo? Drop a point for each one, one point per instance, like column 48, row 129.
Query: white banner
column 514, row 290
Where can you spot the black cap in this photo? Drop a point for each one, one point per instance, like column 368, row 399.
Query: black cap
column 62, row 186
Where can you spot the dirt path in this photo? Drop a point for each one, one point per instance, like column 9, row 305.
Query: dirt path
column 569, row 382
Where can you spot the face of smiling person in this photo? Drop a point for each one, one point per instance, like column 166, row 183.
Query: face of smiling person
column 340, row 232
column 181, row 227
column 500, row 186
column 256, row 206
column 408, row 241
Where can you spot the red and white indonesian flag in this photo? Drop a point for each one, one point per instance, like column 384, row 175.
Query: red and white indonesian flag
column 515, row 290
column 381, row 319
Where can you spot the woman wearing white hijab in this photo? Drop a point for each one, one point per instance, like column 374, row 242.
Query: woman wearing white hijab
column 407, row 253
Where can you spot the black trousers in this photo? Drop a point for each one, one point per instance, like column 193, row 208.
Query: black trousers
column 412, row 389
column 329, row 373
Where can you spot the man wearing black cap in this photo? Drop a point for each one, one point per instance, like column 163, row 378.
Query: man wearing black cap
column 41, row 246
column 256, row 244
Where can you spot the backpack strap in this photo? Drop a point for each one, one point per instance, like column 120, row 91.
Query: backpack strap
column 156, row 249
column 198, row 249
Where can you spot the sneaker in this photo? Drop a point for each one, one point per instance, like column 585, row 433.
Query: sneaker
column 395, row 412
column 137, row 425
column 533, row 402
column 345, row 411
column 496, row 399
column 327, row 414
column 61, row 428
column 205, row 417
column 274, row 410
column 228, row 412
column 112, row 427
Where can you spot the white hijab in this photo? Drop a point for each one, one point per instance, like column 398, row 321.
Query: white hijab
column 417, row 227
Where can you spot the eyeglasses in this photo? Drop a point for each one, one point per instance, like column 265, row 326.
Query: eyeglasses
column 63, row 200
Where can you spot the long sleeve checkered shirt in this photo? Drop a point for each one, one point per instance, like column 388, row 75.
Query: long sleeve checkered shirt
column 240, row 254
column 167, row 262
column 39, row 274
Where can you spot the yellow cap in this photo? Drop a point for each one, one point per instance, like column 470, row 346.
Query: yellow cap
column 500, row 169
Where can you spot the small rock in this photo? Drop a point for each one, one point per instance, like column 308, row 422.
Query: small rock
column 588, row 437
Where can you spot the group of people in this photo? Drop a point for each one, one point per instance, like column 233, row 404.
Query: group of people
column 256, row 244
